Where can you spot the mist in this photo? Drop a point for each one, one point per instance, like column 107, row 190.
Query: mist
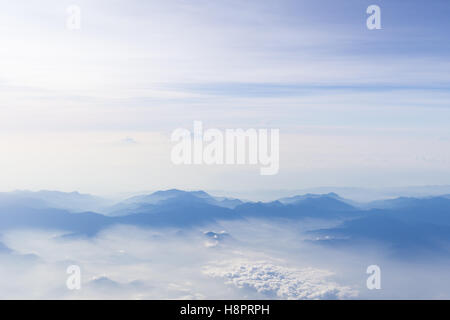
column 250, row 259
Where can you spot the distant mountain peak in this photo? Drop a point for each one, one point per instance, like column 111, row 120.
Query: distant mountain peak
column 299, row 198
column 145, row 203
column 177, row 192
column 73, row 201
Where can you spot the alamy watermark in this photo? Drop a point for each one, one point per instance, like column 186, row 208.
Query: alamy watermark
column 74, row 280
column 374, row 20
column 374, row 280
column 230, row 147
column 73, row 21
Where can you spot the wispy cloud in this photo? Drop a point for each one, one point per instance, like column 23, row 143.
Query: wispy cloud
column 157, row 65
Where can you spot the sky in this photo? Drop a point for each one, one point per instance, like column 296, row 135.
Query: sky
column 93, row 109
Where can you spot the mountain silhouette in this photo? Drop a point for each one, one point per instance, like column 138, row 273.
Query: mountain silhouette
column 146, row 203
column 410, row 225
column 403, row 224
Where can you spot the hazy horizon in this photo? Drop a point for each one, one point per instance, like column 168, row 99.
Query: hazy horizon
column 359, row 194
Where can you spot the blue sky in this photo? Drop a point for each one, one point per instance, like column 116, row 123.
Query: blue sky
column 355, row 104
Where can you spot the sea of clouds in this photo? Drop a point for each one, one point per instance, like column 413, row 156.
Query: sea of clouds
column 253, row 259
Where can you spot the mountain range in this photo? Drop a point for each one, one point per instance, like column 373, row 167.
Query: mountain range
column 404, row 224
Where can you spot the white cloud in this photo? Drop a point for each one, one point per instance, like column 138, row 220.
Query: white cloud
column 274, row 281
